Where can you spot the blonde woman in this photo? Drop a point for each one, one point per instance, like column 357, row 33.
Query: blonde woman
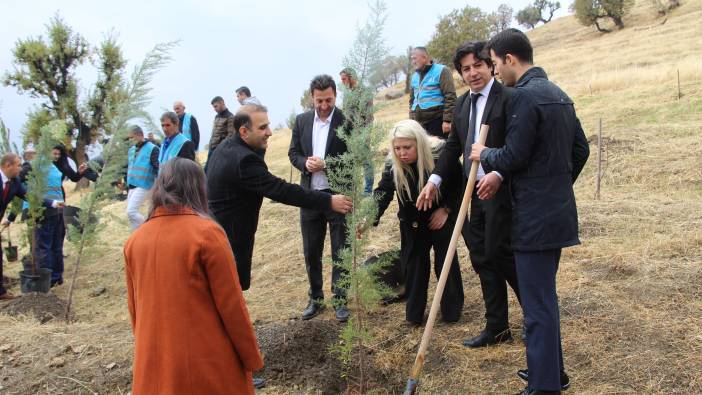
column 412, row 161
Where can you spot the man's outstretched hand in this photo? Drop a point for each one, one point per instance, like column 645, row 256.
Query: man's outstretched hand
column 341, row 204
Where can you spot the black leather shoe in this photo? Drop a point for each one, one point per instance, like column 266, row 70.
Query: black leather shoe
column 487, row 338
column 565, row 380
column 258, row 382
column 529, row 391
column 342, row 313
column 313, row 309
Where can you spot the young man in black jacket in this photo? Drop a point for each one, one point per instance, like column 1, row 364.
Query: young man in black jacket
column 238, row 179
column 545, row 150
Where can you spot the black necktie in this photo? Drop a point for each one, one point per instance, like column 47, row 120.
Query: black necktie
column 471, row 131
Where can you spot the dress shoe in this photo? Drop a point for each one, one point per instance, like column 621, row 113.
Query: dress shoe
column 313, row 309
column 259, row 382
column 487, row 338
column 565, row 380
column 529, row 391
column 8, row 296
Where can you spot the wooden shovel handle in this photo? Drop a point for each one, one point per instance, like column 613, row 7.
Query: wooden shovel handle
column 435, row 304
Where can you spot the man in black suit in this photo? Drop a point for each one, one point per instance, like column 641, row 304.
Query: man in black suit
column 314, row 139
column 10, row 167
column 487, row 231
column 545, row 150
column 238, row 179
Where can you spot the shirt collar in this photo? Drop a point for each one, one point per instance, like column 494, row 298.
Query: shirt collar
column 329, row 118
column 5, row 178
column 486, row 89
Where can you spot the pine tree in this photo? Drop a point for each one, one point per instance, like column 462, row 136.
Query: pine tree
column 132, row 104
column 362, row 138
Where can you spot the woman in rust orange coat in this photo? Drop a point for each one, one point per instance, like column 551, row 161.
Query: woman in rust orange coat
column 192, row 332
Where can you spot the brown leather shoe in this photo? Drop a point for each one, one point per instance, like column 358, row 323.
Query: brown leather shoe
column 8, row 296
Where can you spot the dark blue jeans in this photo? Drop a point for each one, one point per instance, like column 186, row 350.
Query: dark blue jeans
column 49, row 248
column 536, row 272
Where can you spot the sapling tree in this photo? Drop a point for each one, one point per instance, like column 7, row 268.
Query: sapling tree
column 347, row 176
column 131, row 107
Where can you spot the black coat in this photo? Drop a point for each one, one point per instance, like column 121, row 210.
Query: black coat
column 545, row 150
column 301, row 142
column 449, row 196
column 237, row 181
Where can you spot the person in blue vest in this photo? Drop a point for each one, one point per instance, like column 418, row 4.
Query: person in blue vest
column 187, row 124
column 175, row 144
column 433, row 95
column 51, row 230
column 142, row 170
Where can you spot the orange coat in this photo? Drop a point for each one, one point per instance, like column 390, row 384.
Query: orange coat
column 192, row 332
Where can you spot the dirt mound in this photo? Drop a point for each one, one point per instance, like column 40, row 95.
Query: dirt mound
column 297, row 353
column 45, row 307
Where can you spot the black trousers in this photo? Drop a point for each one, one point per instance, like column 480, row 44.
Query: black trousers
column 416, row 243
column 487, row 236
column 243, row 255
column 314, row 229
column 537, row 282
column 434, row 128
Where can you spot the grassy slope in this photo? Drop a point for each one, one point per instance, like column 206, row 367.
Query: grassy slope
column 631, row 298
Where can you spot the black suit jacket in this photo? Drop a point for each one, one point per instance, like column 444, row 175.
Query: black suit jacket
column 301, row 142
column 16, row 189
column 459, row 141
column 237, row 181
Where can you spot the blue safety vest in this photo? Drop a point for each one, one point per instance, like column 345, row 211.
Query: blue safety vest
column 54, row 181
column 427, row 94
column 140, row 173
column 172, row 150
column 186, row 126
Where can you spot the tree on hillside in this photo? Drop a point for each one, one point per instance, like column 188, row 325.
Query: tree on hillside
column 502, row 18
column 45, row 69
column 593, row 12
column 368, row 51
column 387, row 73
column 306, row 101
column 469, row 23
column 407, row 69
column 536, row 12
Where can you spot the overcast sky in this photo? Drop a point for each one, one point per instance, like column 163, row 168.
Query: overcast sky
column 273, row 47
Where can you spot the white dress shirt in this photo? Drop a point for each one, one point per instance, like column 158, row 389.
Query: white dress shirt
column 479, row 110
column 320, row 132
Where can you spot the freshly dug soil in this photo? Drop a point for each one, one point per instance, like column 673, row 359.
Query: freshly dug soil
column 296, row 353
column 45, row 307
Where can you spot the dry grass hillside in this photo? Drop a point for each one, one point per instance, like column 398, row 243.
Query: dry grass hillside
column 631, row 294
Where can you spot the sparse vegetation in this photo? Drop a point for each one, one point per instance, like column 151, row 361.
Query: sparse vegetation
column 630, row 294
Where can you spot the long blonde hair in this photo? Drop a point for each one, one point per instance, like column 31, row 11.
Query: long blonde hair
column 411, row 130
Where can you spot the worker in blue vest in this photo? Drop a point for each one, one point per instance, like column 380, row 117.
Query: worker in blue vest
column 142, row 170
column 51, row 230
column 187, row 124
column 175, row 143
column 432, row 95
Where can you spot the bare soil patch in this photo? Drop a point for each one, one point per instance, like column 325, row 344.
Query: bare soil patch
column 45, row 307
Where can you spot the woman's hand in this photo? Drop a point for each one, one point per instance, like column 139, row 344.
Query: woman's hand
column 438, row 218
